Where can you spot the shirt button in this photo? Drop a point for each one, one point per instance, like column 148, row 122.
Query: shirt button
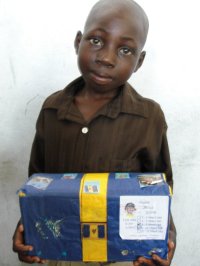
column 85, row 130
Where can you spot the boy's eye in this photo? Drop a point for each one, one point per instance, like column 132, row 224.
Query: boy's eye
column 96, row 42
column 126, row 51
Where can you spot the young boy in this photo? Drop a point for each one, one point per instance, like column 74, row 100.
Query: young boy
column 99, row 123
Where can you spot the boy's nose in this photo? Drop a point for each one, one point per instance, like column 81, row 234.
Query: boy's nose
column 106, row 58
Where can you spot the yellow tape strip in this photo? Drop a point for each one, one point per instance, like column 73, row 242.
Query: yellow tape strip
column 93, row 213
column 94, row 197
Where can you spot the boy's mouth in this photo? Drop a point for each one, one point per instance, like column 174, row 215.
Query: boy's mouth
column 101, row 78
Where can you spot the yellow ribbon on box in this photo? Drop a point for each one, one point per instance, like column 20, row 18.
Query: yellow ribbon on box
column 93, row 215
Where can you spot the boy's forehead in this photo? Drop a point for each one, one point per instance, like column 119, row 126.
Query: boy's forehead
column 127, row 10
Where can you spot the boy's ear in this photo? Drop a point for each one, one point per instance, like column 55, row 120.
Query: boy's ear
column 141, row 60
column 77, row 41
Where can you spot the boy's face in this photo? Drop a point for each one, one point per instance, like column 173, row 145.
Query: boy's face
column 110, row 49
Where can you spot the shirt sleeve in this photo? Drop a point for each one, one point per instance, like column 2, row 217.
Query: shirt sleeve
column 156, row 156
column 163, row 162
column 37, row 161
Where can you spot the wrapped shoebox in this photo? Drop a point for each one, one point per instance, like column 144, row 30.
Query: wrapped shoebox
column 96, row 216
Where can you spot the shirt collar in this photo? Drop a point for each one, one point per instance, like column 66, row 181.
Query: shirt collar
column 128, row 101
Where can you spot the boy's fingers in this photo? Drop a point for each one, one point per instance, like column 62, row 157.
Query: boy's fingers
column 29, row 259
column 21, row 228
column 146, row 262
column 136, row 263
column 156, row 259
column 167, row 262
column 160, row 261
column 43, row 261
column 171, row 244
column 18, row 241
column 21, row 248
column 18, row 236
column 171, row 247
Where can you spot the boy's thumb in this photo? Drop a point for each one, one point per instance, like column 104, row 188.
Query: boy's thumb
column 21, row 228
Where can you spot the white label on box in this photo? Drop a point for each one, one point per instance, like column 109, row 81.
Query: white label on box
column 143, row 217
column 40, row 182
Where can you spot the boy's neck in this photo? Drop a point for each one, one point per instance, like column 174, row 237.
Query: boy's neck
column 94, row 95
column 89, row 102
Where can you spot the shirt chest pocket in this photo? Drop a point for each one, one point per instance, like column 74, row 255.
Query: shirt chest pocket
column 130, row 165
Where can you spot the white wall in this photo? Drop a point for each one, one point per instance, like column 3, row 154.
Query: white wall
column 37, row 58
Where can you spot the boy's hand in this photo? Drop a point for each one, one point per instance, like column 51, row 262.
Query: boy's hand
column 156, row 260
column 21, row 249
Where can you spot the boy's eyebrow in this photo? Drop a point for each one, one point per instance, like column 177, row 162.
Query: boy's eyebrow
column 98, row 29
column 127, row 38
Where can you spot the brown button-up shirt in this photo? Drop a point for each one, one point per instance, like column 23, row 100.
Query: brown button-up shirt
column 127, row 135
